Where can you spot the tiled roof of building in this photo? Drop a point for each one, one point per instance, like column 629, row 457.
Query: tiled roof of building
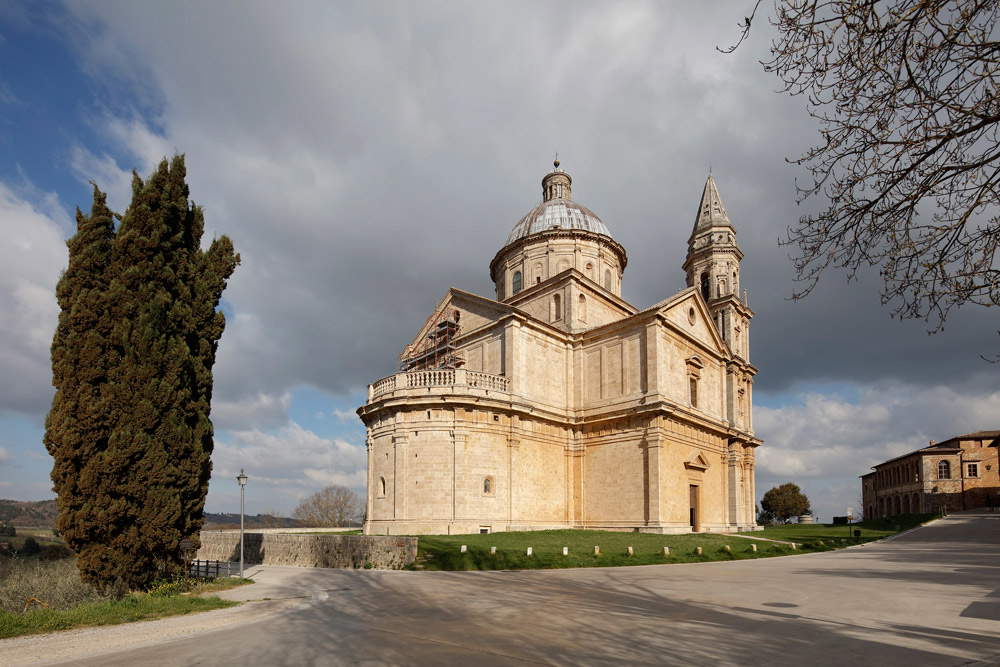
column 940, row 447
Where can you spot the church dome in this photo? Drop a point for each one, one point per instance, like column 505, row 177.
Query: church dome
column 557, row 214
column 557, row 210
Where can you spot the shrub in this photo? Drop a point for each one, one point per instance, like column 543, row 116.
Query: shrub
column 30, row 547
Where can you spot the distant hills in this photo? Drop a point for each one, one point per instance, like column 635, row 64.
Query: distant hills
column 42, row 514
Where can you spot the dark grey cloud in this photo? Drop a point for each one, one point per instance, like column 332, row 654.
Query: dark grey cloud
column 365, row 157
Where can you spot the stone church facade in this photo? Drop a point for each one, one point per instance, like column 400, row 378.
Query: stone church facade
column 558, row 404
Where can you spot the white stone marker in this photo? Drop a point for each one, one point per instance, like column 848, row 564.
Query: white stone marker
column 597, row 550
column 629, row 551
column 794, row 546
column 464, row 548
column 565, row 551
column 666, row 551
column 753, row 548
column 493, row 551
column 529, row 551
column 697, row 550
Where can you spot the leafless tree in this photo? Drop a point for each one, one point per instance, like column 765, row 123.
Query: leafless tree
column 333, row 506
column 907, row 99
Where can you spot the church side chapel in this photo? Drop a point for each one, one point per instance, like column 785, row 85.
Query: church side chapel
column 558, row 404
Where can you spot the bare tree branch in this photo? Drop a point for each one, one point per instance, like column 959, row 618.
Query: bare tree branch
column 907, row 96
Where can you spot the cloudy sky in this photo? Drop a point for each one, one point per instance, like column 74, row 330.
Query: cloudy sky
column 364, row 157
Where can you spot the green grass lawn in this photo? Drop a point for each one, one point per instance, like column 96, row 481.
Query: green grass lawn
column 135, row 607
column 443, row 552
column 870, row 530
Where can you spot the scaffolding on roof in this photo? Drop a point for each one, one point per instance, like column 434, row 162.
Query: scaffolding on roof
column 437, row 349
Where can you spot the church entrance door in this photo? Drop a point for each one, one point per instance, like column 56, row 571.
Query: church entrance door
column 695, row 519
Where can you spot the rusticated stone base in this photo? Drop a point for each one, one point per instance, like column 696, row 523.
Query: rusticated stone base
column 348, row 551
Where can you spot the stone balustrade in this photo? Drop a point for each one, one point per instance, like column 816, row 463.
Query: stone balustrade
column 458, row 379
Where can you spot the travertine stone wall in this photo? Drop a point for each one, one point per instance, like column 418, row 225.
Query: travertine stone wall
column 346, row 551
column 545, row 255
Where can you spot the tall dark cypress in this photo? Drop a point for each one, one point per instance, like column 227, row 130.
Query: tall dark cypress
column 160, row 296
column 78, row 425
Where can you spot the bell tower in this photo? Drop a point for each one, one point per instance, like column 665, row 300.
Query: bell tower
column 713, row 266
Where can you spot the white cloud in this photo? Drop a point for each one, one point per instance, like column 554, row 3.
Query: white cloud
column 256, row 411
column 31, row 257
column 105, row 172
column 4, row 455
column 824, row 443
column 346, row 416
column 290, row 462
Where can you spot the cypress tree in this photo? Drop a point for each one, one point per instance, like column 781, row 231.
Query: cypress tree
column 78, row 425
column 144, row 484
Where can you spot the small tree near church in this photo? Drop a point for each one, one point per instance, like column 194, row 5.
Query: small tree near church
column 333, row 506
column 785, row 501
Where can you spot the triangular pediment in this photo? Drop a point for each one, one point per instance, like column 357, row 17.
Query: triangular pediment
column 687, row 311
column 468, row 311
column 696, row 462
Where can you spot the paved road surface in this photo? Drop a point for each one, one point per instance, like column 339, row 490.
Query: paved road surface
column 929, row 597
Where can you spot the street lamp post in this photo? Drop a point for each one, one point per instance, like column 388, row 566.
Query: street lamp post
column 242, row 479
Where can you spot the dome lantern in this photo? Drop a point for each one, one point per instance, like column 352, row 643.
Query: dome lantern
column 557, row 184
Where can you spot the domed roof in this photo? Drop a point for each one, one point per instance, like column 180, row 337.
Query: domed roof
column 557, row 210
column 557, row 214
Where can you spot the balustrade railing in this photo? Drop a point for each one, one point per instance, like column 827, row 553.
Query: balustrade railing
column 438, row 378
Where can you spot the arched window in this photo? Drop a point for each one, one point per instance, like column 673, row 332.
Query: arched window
column 538, row 273
column 516, row 286
column 556, row 307
column 582, row 309
column 607, row 279
column 944, row 470
column 706, row 288
column 381, row 486
column 489, row 486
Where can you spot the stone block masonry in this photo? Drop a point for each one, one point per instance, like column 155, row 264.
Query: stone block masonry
column 304, row 550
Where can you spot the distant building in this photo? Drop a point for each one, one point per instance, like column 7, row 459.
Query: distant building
column 558, row 404
column 959, row 473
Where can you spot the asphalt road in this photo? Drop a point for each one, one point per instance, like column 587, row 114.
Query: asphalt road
column 929, row 597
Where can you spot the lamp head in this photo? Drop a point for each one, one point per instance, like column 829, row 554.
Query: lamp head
column 242, row 478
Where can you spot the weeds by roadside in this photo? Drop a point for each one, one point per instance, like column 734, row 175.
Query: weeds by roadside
column 42, row 596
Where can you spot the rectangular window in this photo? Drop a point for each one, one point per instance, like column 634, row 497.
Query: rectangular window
column 973, row 470
column 694, row 392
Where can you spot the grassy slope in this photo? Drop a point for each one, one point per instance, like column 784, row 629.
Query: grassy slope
column 136, row 607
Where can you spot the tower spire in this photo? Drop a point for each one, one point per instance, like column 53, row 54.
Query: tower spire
column 711, row 210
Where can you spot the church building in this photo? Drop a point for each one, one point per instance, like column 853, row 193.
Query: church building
column 558, row 404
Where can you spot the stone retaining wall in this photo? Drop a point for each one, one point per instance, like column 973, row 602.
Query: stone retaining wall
column 350, row 551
